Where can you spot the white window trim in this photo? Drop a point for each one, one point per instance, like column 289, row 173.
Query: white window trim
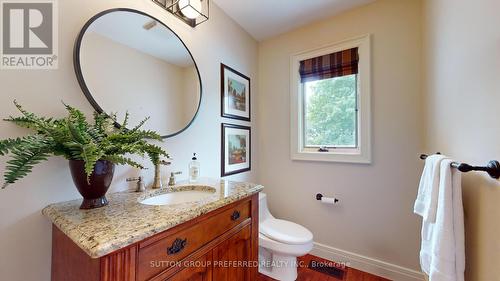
column 363, row 153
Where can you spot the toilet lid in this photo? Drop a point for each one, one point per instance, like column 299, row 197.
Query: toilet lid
column 285, row 231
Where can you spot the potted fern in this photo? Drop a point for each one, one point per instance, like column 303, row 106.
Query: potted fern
column 92, row 149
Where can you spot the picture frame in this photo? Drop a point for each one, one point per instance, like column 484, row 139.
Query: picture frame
column 235, row 94
column 236, row 143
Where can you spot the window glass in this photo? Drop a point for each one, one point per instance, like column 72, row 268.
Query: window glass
column 330, row 112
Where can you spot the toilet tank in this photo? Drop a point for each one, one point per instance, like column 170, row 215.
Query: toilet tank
column 264, row 213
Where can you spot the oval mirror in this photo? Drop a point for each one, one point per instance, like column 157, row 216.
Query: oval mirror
column 126, row 60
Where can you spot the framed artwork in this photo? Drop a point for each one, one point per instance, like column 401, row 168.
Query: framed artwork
column 236, row 146
column 235, row 94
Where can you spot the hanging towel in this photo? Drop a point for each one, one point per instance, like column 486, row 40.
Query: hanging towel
column 427, row 197
column 442, row 253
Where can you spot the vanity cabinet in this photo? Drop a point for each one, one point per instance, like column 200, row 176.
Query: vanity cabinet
column 231, row 257
column 220, row 246
column 201, row 272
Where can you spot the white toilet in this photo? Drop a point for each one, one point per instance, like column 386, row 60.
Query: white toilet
column 280, row 243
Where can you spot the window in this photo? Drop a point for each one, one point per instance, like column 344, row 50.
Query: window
column 330, row 103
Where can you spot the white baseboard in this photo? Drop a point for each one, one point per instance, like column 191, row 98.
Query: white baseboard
column 367, row 264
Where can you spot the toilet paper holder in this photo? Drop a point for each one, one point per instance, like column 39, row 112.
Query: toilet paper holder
column 320, row 196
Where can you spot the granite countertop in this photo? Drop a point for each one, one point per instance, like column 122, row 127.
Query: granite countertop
column 125, row 221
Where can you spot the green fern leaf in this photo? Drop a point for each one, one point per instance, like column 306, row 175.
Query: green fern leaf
column 124, row 124
column 90, row 154
column 76, row 133
column 121, row 160
column 77, row 118
column 154, row 152
column 23, row 122
column 8, row 144
column 23, row 159
column 136, row 128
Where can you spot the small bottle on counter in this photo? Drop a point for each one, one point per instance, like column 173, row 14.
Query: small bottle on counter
column 194, row 169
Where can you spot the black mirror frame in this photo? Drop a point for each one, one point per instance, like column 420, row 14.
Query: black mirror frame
column 81, row 79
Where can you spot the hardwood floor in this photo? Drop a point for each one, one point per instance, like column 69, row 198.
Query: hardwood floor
column 307, row 274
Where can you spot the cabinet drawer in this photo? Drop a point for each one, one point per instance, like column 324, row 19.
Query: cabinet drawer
column 199, row 270
column 174, row 246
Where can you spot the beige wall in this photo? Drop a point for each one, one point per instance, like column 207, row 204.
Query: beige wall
column 462, row 51
column 24, row 233
column 374, row 217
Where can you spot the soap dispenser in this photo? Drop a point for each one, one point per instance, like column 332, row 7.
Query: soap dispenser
column 194, row 169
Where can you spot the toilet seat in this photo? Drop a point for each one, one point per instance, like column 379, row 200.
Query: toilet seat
column 285, row 232
column 284, row 249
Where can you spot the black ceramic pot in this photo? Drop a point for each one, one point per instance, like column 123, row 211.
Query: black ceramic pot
column 94, row 191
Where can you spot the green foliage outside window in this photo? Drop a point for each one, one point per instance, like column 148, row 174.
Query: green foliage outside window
column 330, row 112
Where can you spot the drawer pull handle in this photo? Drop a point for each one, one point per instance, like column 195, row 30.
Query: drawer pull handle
column 177, row 246
column 235, row 215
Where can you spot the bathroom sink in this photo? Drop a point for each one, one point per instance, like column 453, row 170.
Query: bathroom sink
column 178, row 197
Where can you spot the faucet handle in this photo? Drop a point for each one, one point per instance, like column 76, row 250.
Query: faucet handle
column 171, row 180
column 164, row 162
column 140, row 183
column 134, row 179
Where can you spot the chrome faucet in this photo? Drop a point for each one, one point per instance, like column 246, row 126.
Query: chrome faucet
column 157, row 181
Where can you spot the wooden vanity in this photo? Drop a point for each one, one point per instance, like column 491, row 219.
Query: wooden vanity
column 219, row 245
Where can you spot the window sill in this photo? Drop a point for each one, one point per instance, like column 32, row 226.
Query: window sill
column 339, row 156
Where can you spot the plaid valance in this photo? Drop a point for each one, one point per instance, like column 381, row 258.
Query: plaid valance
column 328, row 66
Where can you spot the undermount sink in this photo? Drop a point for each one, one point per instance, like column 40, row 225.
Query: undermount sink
column 180, row 196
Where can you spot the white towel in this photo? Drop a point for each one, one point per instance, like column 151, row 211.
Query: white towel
column 427, row 197
column 442, row 254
